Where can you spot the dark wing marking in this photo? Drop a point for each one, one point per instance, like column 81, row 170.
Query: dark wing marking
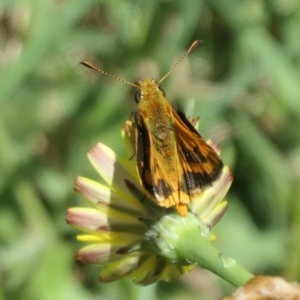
column 143, row 155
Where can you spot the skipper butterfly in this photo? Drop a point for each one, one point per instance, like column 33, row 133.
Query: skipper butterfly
column 174, row 162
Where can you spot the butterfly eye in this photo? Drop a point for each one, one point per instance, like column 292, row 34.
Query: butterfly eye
column 138, row 96
column 162, row 91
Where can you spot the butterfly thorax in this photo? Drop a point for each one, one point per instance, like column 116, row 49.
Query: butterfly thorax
column 156, row 114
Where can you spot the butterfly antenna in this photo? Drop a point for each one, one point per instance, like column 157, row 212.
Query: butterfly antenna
column 192, row 47
column 88, row 65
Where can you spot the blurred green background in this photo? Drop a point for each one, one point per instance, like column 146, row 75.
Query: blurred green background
column 243, row 81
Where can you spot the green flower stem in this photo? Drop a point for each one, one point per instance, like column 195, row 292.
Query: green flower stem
column 196, row 248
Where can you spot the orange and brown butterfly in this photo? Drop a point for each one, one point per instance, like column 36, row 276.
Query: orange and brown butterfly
column 174, row 162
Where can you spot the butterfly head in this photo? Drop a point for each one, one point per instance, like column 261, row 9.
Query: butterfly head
column 148, row 88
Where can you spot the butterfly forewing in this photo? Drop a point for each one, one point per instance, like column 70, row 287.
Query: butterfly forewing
column 201, row 165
